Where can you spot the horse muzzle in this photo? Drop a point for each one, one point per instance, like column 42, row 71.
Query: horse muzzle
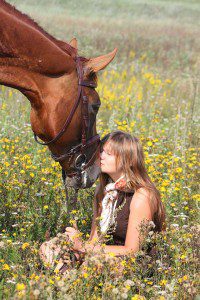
column 83, row 178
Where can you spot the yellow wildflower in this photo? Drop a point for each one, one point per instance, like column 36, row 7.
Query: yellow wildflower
column 20, row 287
column 6, row 267
column 25, row 245
column 163, row 282
column 149, row 143
column 85, row 275
column 51, row 281
column 138, row 297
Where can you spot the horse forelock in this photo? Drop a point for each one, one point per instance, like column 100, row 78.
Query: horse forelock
column 92, row 75
column 26, row 19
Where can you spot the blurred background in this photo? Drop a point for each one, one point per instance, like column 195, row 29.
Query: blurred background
column 167, row 32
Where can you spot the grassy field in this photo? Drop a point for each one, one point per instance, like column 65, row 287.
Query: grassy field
column 151, row 89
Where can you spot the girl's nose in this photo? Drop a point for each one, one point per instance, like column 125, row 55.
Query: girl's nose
column 102, row 155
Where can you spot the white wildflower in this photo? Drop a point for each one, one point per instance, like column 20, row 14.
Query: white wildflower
column 152, row 224
column 129, row 282
column 115, row 291
column 124, row 296
column 36, row 293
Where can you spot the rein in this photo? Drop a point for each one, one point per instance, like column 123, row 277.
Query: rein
column 80, row 162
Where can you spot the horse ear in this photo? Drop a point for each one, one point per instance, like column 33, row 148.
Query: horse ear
column 74, row 43
column 99, row 63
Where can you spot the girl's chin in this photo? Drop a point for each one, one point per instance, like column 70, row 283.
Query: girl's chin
column 103, row 170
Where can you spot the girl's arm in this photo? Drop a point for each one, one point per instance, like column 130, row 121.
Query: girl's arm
column 140, row 212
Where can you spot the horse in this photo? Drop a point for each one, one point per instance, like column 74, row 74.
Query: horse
column 60, row 86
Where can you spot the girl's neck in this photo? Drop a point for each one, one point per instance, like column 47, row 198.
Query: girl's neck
column 116, row 176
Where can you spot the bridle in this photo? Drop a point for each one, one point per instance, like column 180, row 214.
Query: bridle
column 81, row 160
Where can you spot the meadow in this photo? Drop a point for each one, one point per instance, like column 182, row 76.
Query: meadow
column 151, row 90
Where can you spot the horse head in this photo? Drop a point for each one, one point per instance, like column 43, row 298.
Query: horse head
column 66, row 120
column 60, row 86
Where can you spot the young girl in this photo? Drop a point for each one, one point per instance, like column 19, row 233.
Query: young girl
column 125, row 199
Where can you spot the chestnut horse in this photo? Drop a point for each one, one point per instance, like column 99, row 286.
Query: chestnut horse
column 60, row 86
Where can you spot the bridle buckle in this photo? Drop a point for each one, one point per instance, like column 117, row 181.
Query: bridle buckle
column 80, row 162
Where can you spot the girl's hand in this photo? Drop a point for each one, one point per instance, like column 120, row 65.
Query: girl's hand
column 74, row 236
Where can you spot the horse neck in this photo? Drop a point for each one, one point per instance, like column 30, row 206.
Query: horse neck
column 27, row 54
column 27, row 46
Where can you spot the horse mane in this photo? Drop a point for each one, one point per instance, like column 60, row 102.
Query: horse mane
column 26, row 19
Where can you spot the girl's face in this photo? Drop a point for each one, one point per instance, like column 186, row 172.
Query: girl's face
column 108, row 161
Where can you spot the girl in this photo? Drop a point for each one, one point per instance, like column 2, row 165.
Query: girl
column 124, row 200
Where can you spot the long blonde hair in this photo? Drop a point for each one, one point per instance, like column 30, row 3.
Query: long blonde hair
column 130, row 159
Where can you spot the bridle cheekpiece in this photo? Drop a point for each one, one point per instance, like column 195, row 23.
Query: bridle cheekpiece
column 81, row 160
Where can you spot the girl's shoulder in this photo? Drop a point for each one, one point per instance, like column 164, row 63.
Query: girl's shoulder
column 143, row 193
column 141, row 199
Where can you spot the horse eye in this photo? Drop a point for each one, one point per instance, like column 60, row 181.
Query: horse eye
column 95, row 107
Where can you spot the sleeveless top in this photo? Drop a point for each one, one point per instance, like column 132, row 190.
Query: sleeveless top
column 118, row 233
